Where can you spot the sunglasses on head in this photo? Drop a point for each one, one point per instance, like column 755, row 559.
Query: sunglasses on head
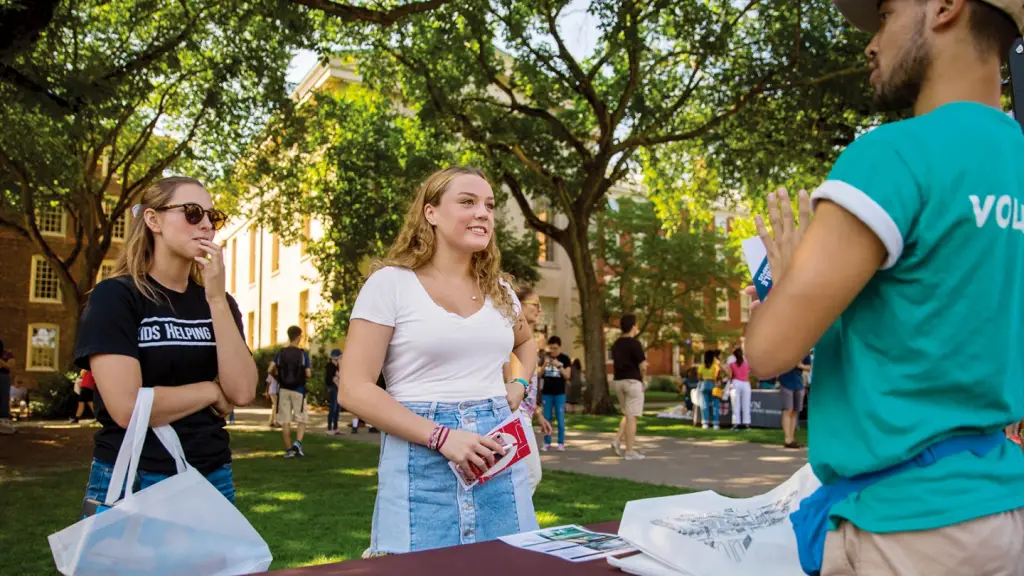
column 194, row 214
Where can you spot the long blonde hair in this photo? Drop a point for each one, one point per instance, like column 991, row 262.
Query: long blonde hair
column 417, row 242
column 137, row 256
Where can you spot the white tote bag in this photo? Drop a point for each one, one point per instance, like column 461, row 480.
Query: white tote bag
column 706, row 534
column 181, row 525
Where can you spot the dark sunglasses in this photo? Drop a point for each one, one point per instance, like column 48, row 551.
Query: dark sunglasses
column 194, row 214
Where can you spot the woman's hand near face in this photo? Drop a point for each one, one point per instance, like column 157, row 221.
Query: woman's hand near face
column 212, row 266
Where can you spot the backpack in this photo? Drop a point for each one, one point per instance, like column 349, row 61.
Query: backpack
column 291, row 368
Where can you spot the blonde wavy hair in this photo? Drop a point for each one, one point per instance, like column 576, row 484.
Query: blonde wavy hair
column 417, row 242
column 137, row 256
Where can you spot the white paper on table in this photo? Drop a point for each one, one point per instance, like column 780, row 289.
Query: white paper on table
column 573, row 543
column 643, row 565
column 707, row 534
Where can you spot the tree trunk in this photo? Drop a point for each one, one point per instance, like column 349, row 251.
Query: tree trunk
column 597, row 399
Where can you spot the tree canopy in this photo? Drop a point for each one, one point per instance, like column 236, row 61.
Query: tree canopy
column 560, row 130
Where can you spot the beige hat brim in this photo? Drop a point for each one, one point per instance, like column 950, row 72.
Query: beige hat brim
column 863, row 14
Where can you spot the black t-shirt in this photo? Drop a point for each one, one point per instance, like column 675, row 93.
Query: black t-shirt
column 329, row 373
column 554, row 382
column 627, row 355
column 173, row 341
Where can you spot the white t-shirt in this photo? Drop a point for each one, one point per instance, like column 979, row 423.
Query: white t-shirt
column 435, row 355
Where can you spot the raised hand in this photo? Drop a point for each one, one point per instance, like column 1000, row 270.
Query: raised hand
column 212, row 266
column 785, row 234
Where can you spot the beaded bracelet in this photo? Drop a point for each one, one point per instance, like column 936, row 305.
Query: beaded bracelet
column 437, row 437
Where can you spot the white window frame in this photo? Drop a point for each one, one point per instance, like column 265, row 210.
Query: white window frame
column 63, row 223
column 112, row 201
column 99, row 272
column 29, row 366
column 745, row 301
column 722, row 295
column 697, row 298
column 38, row 258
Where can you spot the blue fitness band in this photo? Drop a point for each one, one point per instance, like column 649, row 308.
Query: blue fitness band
column 523, row 382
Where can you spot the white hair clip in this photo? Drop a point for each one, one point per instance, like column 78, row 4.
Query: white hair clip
column 136, row 210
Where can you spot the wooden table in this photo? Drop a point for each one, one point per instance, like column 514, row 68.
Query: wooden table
column 494, row 558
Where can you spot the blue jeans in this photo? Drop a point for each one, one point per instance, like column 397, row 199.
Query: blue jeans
column 100, row 473
column 711, row 402
column 554, row 407
column 335, row 410
column 420, row 504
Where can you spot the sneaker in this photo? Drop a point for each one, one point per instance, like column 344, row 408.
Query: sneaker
column 617, row 447
column 717, row 427
column 705, row 426
column 289, row 453
column 73, row 420
column 546, row 448
column 633, row 455
column 355, row 429
column 792, row 446
column 297, row 447
column 561, row 448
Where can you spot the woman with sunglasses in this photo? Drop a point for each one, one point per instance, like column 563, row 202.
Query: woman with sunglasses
column 164, row 321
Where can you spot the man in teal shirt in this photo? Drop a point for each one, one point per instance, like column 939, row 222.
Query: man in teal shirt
column 911, row 275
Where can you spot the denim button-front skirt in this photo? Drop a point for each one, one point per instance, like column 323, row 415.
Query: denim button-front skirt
column 420, row 505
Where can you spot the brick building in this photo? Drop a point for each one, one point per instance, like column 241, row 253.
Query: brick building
column 36, row 319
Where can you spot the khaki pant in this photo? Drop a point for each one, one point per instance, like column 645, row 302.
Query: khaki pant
column 631, row 396
column 291, row 407
column 987, row 546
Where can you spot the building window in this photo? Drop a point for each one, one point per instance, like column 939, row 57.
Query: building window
column 234, row 265
column 275, row 253
column 252, row 254
column 119, row 230
column 43, row 348
column 304, row 315
column 273, row 324
column 744, row 306
column 722, row 223
column 106, row 270
column 549, row 307
column 307, row 233
column 45, row 284
column 250, row 326
column 547, row 245
column 697, row 301
column 722, row 303
column 52, row 220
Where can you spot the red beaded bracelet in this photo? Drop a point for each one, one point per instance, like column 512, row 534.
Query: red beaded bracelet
column 437, row 437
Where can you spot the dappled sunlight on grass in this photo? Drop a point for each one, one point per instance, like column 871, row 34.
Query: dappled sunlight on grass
column 322, row 559
column 546, row 518
column 654, row 426
column 255, row 454
column 359, row 471
column 265, row 508
column 284, row 496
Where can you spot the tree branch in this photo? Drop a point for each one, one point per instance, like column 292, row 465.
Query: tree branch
column 547, row 228
column 350, row 13
column 583, row 83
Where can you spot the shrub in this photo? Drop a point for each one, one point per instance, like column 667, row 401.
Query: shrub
column 54, row 396
column 316, row 394
column 664, row 384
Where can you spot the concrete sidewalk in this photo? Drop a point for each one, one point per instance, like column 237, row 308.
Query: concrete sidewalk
column 733, row 468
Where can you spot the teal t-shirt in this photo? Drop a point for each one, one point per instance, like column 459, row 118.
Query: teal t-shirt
column 932, row 345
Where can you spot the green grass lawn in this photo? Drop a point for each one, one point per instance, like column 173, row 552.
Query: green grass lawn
column 312, row 510
column 654, row 426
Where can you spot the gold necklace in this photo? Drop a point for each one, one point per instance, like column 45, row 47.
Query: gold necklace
column 432, row 265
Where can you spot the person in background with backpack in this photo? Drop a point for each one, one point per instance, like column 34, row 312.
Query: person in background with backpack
column 291, row 367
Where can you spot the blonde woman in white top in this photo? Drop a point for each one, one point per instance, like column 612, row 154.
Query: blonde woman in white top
column 441, row 321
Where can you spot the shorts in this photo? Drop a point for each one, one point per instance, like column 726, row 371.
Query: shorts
column 420, row 504
column 101, row 472
column 792, row 399
column 988, row 545
column 85, row 395
column 631, row 396
column 291, row 406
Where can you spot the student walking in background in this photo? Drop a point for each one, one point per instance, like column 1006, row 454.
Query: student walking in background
column 273, row 387
column 331, row 385
column 86, row 389
column 630, row 371
column 710, row 402
column 292, row 368
column 556, row 370
column 739, row 372
column 164, row 321
column 440, row 319
column 6, row 365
